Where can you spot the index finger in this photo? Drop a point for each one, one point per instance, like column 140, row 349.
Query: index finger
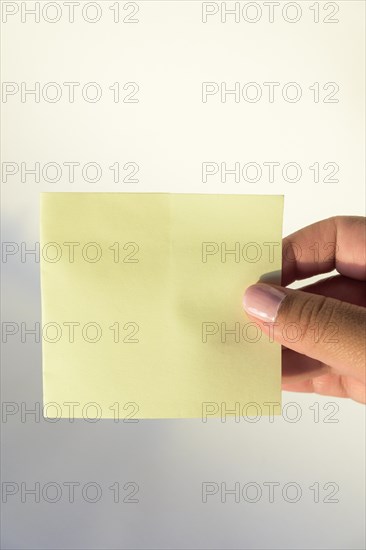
column 335, row 243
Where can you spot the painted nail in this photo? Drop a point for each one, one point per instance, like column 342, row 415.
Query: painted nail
column 263, row 301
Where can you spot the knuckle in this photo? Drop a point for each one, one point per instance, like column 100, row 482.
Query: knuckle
column 313, row 314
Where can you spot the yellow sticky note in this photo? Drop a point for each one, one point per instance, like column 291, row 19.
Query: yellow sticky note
column 142, row 305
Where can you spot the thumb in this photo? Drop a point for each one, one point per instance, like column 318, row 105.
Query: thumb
column 322, row 328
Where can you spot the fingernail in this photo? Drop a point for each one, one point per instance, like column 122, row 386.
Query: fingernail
column 273, row 277
column 263, row 301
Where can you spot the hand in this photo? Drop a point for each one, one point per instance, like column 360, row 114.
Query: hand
column 322, row 327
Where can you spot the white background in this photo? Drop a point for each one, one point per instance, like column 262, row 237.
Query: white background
column 169, row 133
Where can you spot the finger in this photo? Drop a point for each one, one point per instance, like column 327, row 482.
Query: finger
column 341, row 288
column 328, row 330
column 304, row 386
column 336, row 243
column 330, row 384
column 297, row 367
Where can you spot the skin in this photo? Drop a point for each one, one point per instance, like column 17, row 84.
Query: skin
column 334, row 362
